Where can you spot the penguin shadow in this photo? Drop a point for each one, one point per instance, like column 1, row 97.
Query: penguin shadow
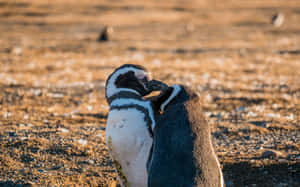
column 9, row 183
column 247, row 174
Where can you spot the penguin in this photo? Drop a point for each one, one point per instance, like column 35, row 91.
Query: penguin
column 130, row 122
column 182, row 154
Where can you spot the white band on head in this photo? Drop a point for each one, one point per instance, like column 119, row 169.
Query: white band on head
column 175, row 92
column 111, row 88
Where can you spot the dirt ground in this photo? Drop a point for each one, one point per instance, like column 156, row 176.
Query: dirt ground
column 53, row 69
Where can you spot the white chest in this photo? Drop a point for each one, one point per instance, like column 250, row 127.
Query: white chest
column 129, row 143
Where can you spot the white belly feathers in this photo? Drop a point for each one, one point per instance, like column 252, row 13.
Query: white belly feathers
column 129, row 140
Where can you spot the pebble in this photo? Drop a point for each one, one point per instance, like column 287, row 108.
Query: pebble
column 64, row 130
column 7, row 114
column 241, row 109
column 23, row 138
column 82, row 141
column 105, row 34
column 26, row 116
column 290, row 117
column 12, row 134
column 273, row 115
column 55, row 95
column 271, row 154
column 74, row 112
column 90, row 108
column 252, row 114
column 25, row 125
column 91, row 161
column 208, row 114
column 17, row 51
column 37, row 92
column 278, row 19
column 66, row 115
column 209, row 98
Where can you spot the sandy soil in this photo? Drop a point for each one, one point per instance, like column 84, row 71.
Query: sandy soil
column 52, row 73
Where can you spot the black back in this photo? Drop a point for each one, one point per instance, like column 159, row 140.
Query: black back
column 182, row 151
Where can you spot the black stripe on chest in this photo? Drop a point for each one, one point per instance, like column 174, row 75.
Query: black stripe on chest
column 141, row 109
column 124, row 95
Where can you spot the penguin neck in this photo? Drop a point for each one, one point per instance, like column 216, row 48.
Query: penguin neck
column 169, row 95
column 178, row 95
column 124, row 94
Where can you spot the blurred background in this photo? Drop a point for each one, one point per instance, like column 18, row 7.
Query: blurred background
column 242, row 57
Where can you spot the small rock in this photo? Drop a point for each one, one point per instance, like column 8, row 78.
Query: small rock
column 82, row 141
column 241, row 109
column 219, row 115
column 208, row 114
column 90, row 108
column 105, row 34
column 91, row 162
column 24, row 125
column 271, row 154
column 7, row 114
column 272, row 115
column 56, row 95
column 66, row 115
column 278, row 19
column 37, row 92
column 64, row 130
column 252, row 114
column 23, row 138
column 17, row 51
column 209, row 98
column 290, row 117
column 12, row 134
column 74, row 112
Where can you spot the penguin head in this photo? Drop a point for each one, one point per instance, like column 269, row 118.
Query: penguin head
column 128, row 77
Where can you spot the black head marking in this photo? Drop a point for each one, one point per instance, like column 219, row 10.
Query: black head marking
column 129, row 80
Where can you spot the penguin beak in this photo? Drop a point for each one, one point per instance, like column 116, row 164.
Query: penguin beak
column 155, row 85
